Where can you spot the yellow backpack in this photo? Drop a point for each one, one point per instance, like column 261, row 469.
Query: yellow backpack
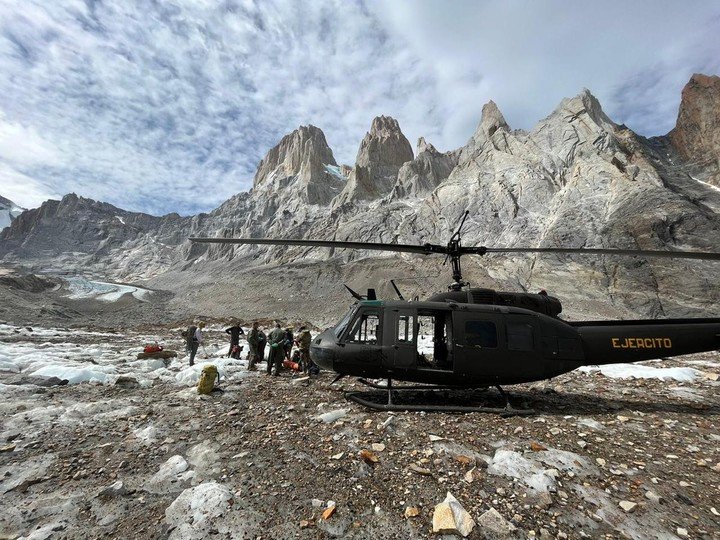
column 207, row 379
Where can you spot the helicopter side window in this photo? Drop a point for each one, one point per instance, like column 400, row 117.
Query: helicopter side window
column 366, row 329
column 520, row 336
column 406, row 329
column 481, row 334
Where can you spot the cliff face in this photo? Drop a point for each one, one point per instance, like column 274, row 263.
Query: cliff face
column 696, row 135
column 576, row 179
column 78, row 234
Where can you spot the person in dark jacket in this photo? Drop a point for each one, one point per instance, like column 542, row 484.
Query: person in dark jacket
column 262, row 341
column 235, row 331
column 276, row 340
column 254, row 343
column 288, row 342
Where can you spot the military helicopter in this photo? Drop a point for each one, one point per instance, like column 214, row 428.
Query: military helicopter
column 477, row 338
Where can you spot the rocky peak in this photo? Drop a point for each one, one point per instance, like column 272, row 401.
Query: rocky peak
column 491, row 121
column 383, row 150
column 578, row 126
column 696, row 135
column 303, row 152
column 384, row 146
column 424, row 146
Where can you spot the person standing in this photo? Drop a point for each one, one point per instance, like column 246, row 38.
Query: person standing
column 303, row 342
column 276, row 339
column 195, row 341
column 254, row 344
column 288, row 342
column 262, row 341
column 235, row 331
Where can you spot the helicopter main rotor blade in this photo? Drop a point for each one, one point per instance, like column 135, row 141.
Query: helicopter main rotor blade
column 706, row 255
column 424, row 249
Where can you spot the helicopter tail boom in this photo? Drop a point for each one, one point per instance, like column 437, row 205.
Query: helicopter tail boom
column 612, row 342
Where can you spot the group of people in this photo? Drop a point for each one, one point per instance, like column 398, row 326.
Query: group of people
column 281, row 343
column 279, row 340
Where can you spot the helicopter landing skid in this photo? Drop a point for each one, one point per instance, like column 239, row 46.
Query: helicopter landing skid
column 362, row 398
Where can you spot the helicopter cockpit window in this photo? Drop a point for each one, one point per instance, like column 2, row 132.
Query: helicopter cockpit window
column 340, row 328
column 520, row 336
column 481, row 334
column 406, row 329
column 366, row 329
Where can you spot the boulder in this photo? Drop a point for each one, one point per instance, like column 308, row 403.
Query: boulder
column 450, row 517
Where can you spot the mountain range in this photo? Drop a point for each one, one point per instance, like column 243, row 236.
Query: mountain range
column 577, row 179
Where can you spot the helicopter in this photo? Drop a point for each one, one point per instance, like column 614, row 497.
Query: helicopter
column 467, row 338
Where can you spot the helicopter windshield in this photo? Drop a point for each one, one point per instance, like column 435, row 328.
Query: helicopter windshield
column 340, row 327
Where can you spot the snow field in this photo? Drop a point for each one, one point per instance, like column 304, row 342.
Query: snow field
column 639, row 371
column 100, row 290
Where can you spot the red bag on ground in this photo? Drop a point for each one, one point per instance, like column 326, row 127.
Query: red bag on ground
column 291, row 365
column 152, row 348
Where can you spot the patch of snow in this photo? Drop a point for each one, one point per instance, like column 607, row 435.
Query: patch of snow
column 705, row 183
column 107, row 292
column 514, row 465
column 332, row 416
column 74, row 375
column 121, row 220
column 591, row 424
column 8, row 212
column 147, row 435
column 228, row 368
column 171, row 473
column 335, row 171
column 194, row 513
column 635, row 371
column 566, row 462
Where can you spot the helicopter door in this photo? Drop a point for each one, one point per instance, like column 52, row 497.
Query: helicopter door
column 477, row 342
column 404, row 352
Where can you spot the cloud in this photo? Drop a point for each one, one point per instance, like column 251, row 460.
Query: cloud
column 169, row 106
column 23, row 190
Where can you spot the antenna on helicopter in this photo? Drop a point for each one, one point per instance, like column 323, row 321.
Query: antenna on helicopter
column 355, row 295
column 371, row 295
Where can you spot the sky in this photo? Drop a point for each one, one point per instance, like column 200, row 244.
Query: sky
column 168, row 106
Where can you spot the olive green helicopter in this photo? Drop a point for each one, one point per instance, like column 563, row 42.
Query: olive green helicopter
column 468, row 338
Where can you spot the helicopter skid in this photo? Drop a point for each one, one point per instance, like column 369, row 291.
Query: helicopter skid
column 396, row 407
column 366, row 400
column 410, row 387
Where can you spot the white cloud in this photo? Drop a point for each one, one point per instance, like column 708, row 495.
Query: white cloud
column 23, row 145
column 146, row 104
column 21, row 189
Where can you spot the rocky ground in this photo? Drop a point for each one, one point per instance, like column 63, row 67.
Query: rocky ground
column 143, row 456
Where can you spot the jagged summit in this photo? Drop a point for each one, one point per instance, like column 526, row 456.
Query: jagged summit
column 584, row 104
column 696, row 135
column 303, row 152
column 491, row 121
column 424, row 146
column 384, row 146
column 383, row 150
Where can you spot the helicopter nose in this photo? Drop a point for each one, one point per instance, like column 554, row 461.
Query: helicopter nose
column 322, row 350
